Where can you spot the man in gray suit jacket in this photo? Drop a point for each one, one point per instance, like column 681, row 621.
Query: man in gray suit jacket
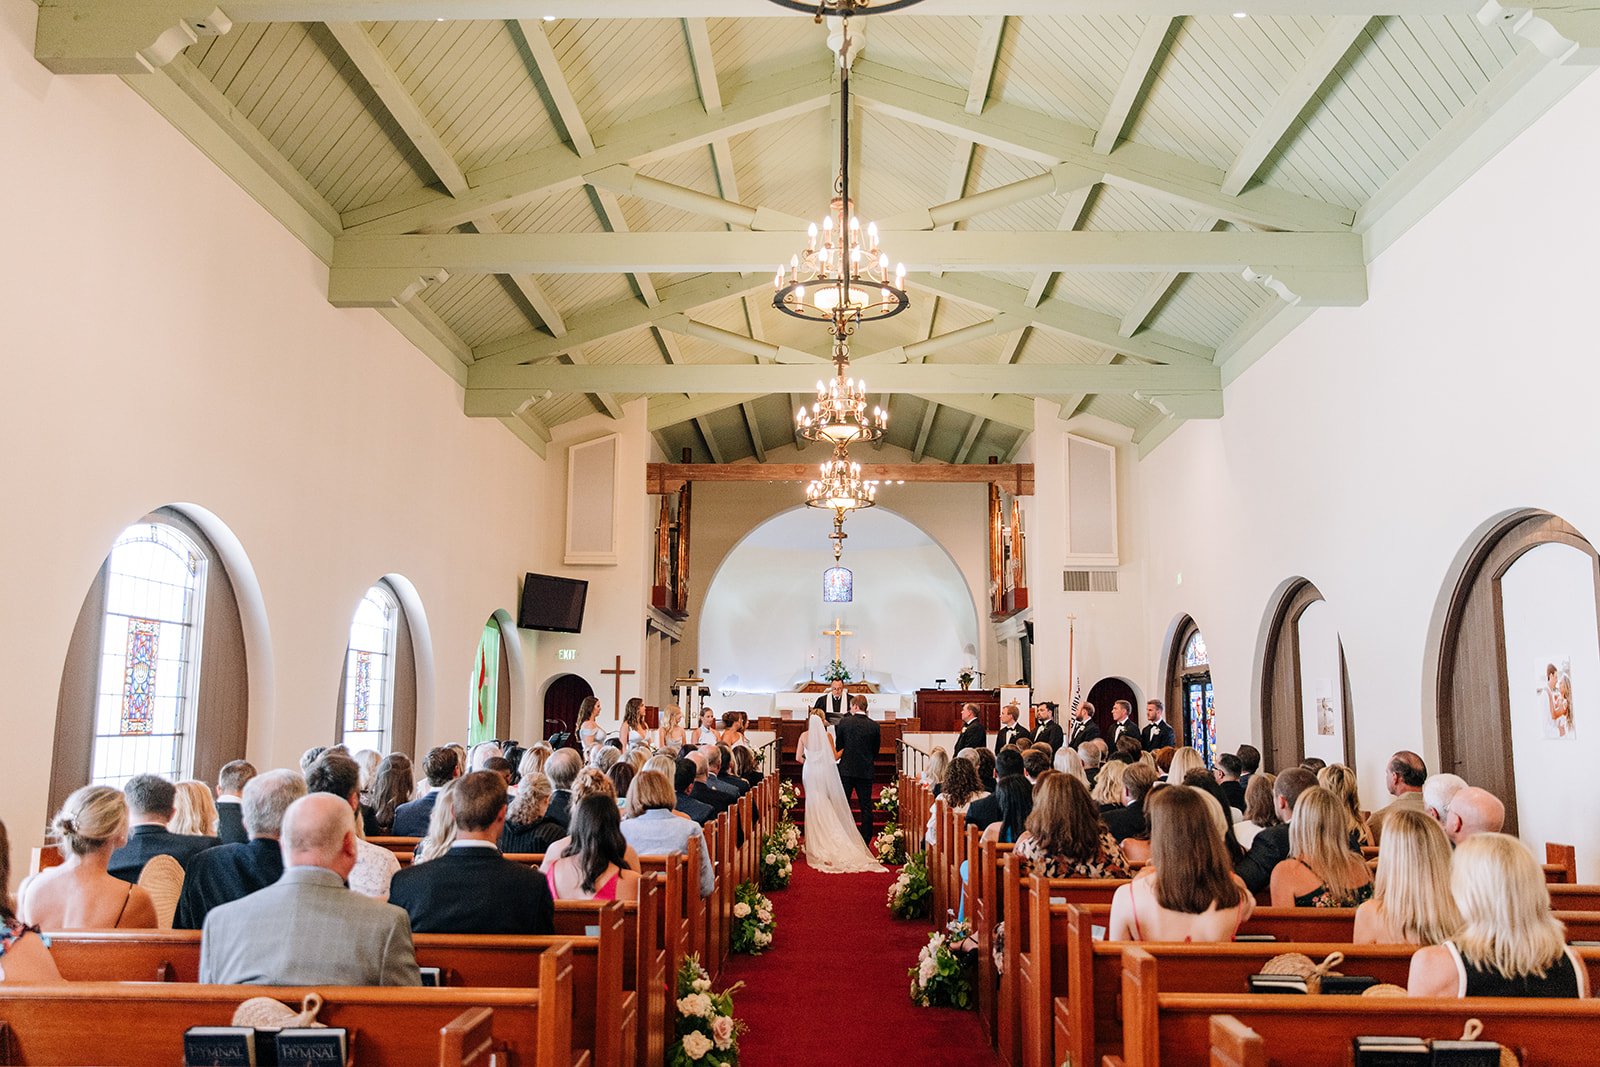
column 308, row 928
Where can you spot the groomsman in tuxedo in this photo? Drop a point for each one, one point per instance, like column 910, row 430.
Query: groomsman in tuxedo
column 1011, row 731
column 1048, row 729
column 972, row 733
column 834, row 703
column 1157, row 733
column 1123, row 724
column 1084, row 728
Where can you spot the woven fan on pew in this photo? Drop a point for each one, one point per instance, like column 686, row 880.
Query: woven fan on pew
column 1471, row 1048
column 264, row 1013
column 1299, row 965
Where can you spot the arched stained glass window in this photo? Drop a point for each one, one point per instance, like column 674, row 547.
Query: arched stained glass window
column 1194, row 652
column 838, row 585
column 368, row 720
column 150, row 656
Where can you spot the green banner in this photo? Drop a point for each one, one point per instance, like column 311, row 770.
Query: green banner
column 485, row 686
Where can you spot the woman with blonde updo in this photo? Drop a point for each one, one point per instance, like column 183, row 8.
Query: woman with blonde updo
column 1340, row 780
column 193, row 810
column 80, row 894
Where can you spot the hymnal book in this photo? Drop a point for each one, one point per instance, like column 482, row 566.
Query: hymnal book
column 219, row 1046
column 327, row 1046
column 1390, row 1051
column 431, row 976
column 1349, row 985
column 1278, row 983
column 1467, row 1053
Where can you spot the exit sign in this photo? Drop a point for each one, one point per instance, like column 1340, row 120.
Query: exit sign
column 566, row 653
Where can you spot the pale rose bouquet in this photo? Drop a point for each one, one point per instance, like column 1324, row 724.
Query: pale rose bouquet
column 706, row 1034
column 753, row 923
column 890, row 844
column 943, row 972
column 786, row 836
column 788, row 796
column 777, row 865
column 912, row 892
column 888, row 801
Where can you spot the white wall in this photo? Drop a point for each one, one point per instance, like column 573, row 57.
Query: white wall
column 1549, row 611
column 1367, row 447
column 1319, row 677
column 167, row 341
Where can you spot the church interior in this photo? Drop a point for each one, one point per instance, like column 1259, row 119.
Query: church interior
column 475, row 358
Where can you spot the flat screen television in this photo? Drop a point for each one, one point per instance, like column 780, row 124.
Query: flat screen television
column 551, row 603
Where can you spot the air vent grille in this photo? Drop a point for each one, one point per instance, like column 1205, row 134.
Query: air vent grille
column 1089, row 581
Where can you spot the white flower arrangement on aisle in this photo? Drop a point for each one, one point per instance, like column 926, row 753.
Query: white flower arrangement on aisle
column 788, row 797
column 911, row 893
column 785, row 837
column 888, row 801
column 753, row 923
column 706, row 1034
column 890, row 844
column 943, row 974
column 777, row 865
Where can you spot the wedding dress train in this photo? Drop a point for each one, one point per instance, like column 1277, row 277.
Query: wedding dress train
column 833, row 843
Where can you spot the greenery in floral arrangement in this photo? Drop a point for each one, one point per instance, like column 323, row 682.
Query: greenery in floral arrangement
column 889, row 801
column 890, row 844
column 777, row 865
column 752, row 921
column 943, row 974
column 837, row 672
column 705, row 1034
column 785, row 837
column 788, row 796
column 911, row 894
column 965, row 679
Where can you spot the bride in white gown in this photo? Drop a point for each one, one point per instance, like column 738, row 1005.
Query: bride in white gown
column 833, row 844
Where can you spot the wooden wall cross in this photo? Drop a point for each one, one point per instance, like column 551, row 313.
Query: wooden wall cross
column 618, row 672
column 838, row 633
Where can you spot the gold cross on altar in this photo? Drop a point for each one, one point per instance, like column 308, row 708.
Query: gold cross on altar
column 838, row 633
column 616, row 707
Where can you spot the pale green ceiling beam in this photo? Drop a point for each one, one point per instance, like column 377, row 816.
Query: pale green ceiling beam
column 969, row 440
column 921, row 447
column 1136, row 75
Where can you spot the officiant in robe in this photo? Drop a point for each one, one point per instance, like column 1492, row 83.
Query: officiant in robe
column 834, row 703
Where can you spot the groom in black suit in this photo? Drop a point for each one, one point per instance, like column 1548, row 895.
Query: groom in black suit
column 857, row 737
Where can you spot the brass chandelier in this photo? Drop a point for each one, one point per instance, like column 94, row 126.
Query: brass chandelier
column 840, row 416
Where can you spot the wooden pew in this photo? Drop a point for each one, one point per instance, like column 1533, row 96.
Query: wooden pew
column 644, row 966
column 402, row 847
column 42, row 858
column 682, row 911
column 1175, row 1028
column 1560, row 862
column 142, row 1024
column 1233, row 1044
column 605, row 1012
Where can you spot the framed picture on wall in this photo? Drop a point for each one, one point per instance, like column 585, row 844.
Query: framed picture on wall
column 1554, row 689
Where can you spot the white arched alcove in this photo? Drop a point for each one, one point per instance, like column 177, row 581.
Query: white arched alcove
column 912, row 616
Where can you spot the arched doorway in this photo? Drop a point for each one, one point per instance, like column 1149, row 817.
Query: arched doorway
column 1304, row 679
column 1106, row 692
column 1191, row 705
column 561, row 700
column 490, row 699
column 1473, row 684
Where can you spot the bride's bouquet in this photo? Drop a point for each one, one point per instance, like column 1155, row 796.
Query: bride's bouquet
column 943, row 974
column 706, row 1033
column 890, row 845
column 752, row 921
column 911, row 892
column 788, row 797
column 888, row 801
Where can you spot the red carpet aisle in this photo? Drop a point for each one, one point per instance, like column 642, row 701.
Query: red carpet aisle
column 834, row 988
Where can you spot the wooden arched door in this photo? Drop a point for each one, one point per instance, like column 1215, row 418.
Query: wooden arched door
column 1283, row 741
column 561, row 700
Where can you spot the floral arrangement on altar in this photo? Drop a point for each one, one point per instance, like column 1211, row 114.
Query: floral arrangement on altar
column 837, row 672
column 911, row 893
column 752, row 921
column 943, row 974
column 890, row 845
column 706, row 1033
column 888, row 801
column 788, row 797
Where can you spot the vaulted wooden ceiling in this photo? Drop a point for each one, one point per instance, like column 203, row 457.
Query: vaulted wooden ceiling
column 1117, row 206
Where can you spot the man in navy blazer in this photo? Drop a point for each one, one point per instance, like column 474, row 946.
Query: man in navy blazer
column 472, row 888
column 229, row 872
column 683, row 782
column 150, row 801
column 441, row 765
column 231, row 781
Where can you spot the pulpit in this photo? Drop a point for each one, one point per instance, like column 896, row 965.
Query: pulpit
column 939, row 710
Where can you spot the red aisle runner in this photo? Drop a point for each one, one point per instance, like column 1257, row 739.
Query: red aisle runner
column 834, row 988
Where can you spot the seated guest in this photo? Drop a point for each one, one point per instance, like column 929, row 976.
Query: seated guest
column 501, row 766
column 1473, row 811
column 1249, row 763
column 984, row 810
column 1093, row 754
column 1184, row 760
column 598, row 867
column 528, row 829
column 24, row 957
column 340, row 776
column 150, row 799
column 959, row 790
column 230, row 813
column 987, row 768
column 653, row 827
column 1411, row 902
column 441, row 766
column 1437, row 792
column 1314, row 764
column 307, row 928
column 80, row 893
column 1321, row 871
column 1013, row 804
column 718, row 798
column 621, row 775
column 1340, row 780
column 1186, row 892
column 1067, row 762
column 392, row 786
column 1128, row 821
column 1108, row 791
column 1403, row 779
column 720, row 767
column 367, row 759
column 310, row 756
column 1035, row 762
column 684, row 773
column 1163, row 758
column 441, row 825
column 605, row 757
column 1259, row 812
column 1271, row 844
column 1509, row 945
column 1226, row 771
column 933, row 771
column 534, row 759
column 470, row 888
column 590, row 783
column 1205, row 783
column 230, row 872
column 744, row 764
column 1065, row 837
column 562, row 769
column 193, row 810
